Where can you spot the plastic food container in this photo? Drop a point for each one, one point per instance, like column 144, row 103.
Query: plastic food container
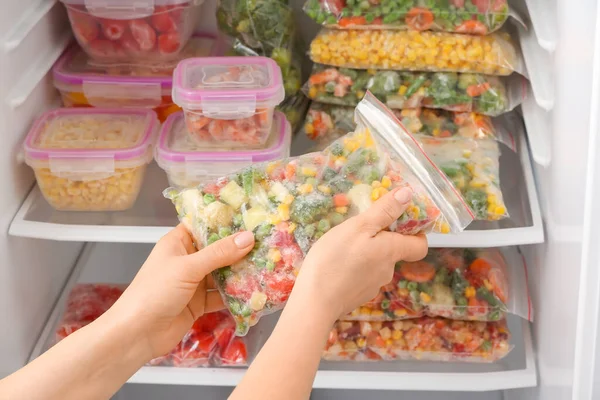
column 460, row 16
column 228, row 100
column 133, row 30
column 493, row 54
column 428, row 339
column 83, row 83
column 91, row 159
column 188, row 164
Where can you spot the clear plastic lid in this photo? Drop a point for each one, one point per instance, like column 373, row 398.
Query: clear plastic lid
column 176, row 146
column 227, row 87
column 69, row 139
column 128, row 9
column 143, row 84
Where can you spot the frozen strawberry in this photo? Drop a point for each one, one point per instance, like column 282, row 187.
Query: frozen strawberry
column 84, row 26
column 143, row 34
column 235, row 353
column 169, row 42
column 162, row 20
column 129, row 44
column 113, row 29
column 105, row 48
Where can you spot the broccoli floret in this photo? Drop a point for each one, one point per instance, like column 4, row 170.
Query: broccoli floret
column 308, row 209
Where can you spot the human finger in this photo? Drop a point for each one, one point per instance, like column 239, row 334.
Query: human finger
column 221, row 253
column 403, row 247
column 204, row 301
column 386, row 210
column 174, row 239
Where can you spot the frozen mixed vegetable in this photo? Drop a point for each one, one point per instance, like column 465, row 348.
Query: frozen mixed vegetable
column 114, row 33
column 289, row 204
column 464, row 284
column 425, row 338
column 476, row 17
column 264, row 28
column 453, row 91
column 325, row 121
column 494, row 54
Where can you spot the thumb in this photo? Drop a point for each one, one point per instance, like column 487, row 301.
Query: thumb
column 221, row 253
column 386, row 210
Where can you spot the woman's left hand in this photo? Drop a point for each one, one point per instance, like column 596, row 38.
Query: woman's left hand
column 173, row 287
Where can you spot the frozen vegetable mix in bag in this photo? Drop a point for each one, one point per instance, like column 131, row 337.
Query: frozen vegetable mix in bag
column 483, row 94
column 429, row 339
column 462, row 16
column 462, row 284
column 494, row 54
column 289, row 204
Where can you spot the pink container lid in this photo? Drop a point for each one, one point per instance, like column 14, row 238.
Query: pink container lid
column 190, row 152
column 75, row 71
column 138, row 147
column 226, row 86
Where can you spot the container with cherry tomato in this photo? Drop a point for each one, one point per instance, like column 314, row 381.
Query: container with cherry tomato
column 462, row 284
column 476, row 17
column 152, row 30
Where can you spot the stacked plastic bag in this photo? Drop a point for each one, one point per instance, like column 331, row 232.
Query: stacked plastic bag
column 445, row 68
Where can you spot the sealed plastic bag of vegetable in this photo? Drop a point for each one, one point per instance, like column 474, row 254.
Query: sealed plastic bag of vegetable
column 475, row 17
column 462, row 284
column 483, row 94
column 289, row 204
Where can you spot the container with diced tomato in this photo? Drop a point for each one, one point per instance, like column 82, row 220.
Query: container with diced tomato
column 228, row 100
column 133, row 30
column 85, row 83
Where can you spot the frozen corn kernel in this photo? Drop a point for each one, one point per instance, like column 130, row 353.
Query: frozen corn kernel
column 409, row 50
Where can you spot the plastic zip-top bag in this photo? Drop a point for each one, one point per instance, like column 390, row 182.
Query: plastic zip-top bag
column 289, row 204
column 462, row 92
column 462, row 284
column 460, row 16
column 493, row 54
column 428, row 339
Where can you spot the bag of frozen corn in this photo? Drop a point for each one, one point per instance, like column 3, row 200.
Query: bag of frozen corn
column 463, row 92
column 494, row 54
column 461, row 284
column 291, row 203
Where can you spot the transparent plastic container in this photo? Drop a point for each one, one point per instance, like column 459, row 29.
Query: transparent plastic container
column 188, row 165
column 84, row 83
column 133, row 30
column 228, row 100
column 91, row 159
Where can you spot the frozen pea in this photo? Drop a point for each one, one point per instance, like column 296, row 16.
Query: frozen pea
column 270, row 265
column 365, row 5
column 324, row 225
column 261, row 263
column 331, row 20
column 320, row 18
column 486, row 345
column 209, row 198
column 318, row 235
column 336, row 218
column 238, row 220
column 385, row 304
column 310, row 230
column 403, row 284
column 263, row 231
column 462, row 302
column 411, row 286
column 241, row 328
column 213, row 237
column 495, row 315
column 224, row 231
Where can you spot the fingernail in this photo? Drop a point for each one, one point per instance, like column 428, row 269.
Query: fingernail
column 243, row 239
column 403, row 195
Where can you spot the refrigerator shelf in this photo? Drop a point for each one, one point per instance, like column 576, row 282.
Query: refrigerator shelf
column 152, row 216
column 118, row 263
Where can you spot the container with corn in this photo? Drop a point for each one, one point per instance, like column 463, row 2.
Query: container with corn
column 91, row 159
column 494, row 54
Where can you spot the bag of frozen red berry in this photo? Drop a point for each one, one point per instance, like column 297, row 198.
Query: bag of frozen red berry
column 289, row 204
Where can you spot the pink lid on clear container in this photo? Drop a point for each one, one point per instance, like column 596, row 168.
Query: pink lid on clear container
column 136, row 85
column 187, row 163
column 227, row 87
column 127, row 9
column 91, row 141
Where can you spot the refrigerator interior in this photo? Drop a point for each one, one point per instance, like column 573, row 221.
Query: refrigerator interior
column 552, row 178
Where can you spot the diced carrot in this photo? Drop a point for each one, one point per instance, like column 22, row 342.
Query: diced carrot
column 480, row 266
column 340, row 200
column 419, row 18
column 290, row 171
column 478, row 90
column 349, row 21
column 419, row 271
column 498, row 281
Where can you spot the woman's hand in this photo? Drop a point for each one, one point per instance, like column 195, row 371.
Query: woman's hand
column 350, row 263
column 172, row 289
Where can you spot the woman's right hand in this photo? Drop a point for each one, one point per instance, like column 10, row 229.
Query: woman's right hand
column 349, row 264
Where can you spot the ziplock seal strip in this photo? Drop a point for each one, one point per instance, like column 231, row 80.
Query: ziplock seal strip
column 370, row 106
